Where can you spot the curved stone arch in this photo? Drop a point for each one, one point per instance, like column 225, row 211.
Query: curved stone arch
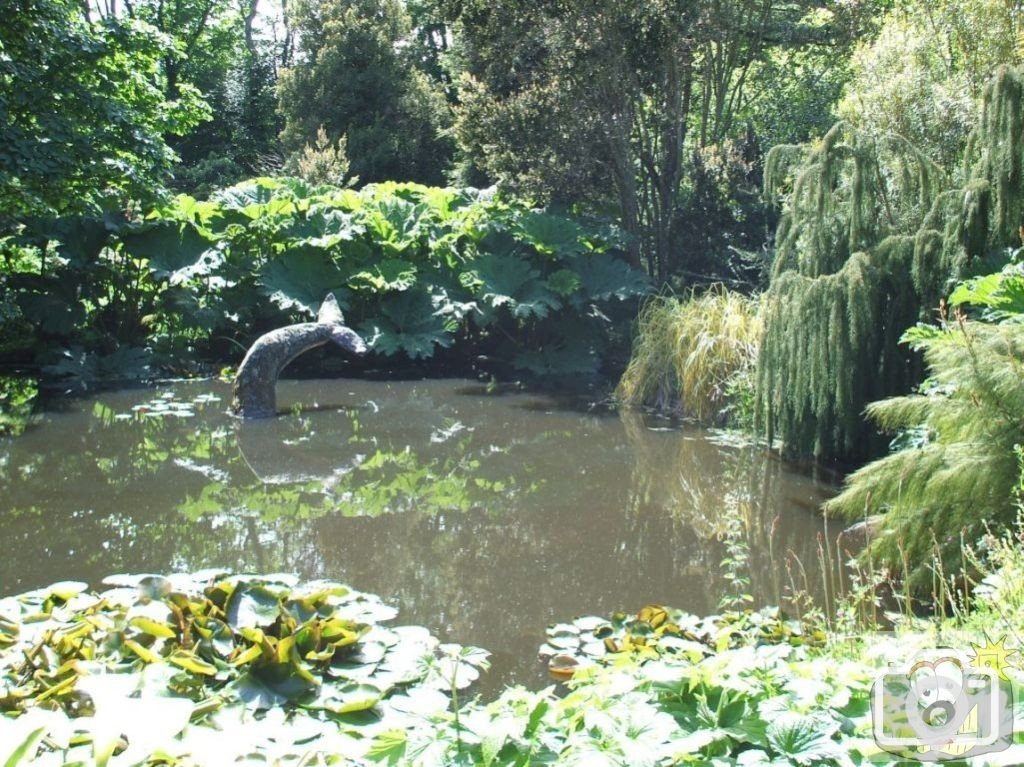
column 255, row 389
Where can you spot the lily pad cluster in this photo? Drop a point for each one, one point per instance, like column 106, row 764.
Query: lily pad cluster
column 167, row 405
column 210, row 669
column 657, row 631
column 661, row 687
column 286, row 670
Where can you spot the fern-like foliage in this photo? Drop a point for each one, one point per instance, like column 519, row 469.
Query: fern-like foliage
column 822, row 334
column 842, row 291
column 961, row 476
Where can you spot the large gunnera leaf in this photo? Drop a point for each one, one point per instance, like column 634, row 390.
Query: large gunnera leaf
column 395, row 223
column 50, row 312
column 80, row 239
column 549, row 234
column 407, row 322
column 324, row 227
column 391, row 274
column 257, row 191
column 171, row 248
column 300, row 278
column 604, row 277
column 510, row 282
column 260, row 198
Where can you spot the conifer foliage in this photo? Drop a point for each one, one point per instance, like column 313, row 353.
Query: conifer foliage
column 957, row 470
column 842, row 289
column 872, row 237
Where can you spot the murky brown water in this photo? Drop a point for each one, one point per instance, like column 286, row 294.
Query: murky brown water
column 482, row 517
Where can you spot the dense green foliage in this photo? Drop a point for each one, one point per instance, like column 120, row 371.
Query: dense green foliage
column 839, row 299
column 115, row 682
column 694, row 355
column 663, row 117
column 82, row 111
column 954, row 476
column 921, row 77
column 222, row 49
column 873, row 236
column 190, row 670
column 613, row 102
column 357, row 76
column 415, row 269
column 17, row 396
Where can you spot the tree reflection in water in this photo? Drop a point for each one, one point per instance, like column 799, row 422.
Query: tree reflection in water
column 481, row 517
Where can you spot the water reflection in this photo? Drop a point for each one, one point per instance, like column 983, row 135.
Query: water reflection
column 482, row 517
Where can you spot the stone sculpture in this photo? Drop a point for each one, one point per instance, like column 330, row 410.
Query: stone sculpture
column 256, row 381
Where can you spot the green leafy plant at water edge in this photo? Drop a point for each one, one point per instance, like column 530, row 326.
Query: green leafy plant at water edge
column 416, row 269
column 657, row 688
column 657, row 631
column 17, row 397
column 693, row 354
column 872, row 236
column 663, row 687
column 955, row 477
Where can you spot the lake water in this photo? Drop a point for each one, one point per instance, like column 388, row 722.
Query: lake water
column 483, row 516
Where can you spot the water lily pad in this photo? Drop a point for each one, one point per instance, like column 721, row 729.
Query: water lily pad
column 65, row 590
column 350, row 697
column 252, row 606
column 589, row 622
column 562, row 667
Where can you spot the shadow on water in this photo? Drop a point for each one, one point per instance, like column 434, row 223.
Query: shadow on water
column 481, row 517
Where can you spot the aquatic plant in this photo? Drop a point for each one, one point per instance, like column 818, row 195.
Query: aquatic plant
column 656, row 688
column 209, row 668
column 690, row 351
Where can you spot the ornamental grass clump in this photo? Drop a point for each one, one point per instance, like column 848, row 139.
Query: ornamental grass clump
column 690, row 352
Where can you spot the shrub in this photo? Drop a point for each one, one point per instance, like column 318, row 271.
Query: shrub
column 415, row 269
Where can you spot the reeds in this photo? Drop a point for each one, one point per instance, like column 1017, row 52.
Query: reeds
column 691, row 352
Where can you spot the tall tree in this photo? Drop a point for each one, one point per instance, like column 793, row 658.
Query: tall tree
column 218, row 49
column 356, row 74
column 82, row 110
column 567, row 98
column 922, row 75
column 873, row 235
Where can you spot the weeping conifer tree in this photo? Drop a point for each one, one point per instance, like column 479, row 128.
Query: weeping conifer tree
column 957, row 475
column 873, row 235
